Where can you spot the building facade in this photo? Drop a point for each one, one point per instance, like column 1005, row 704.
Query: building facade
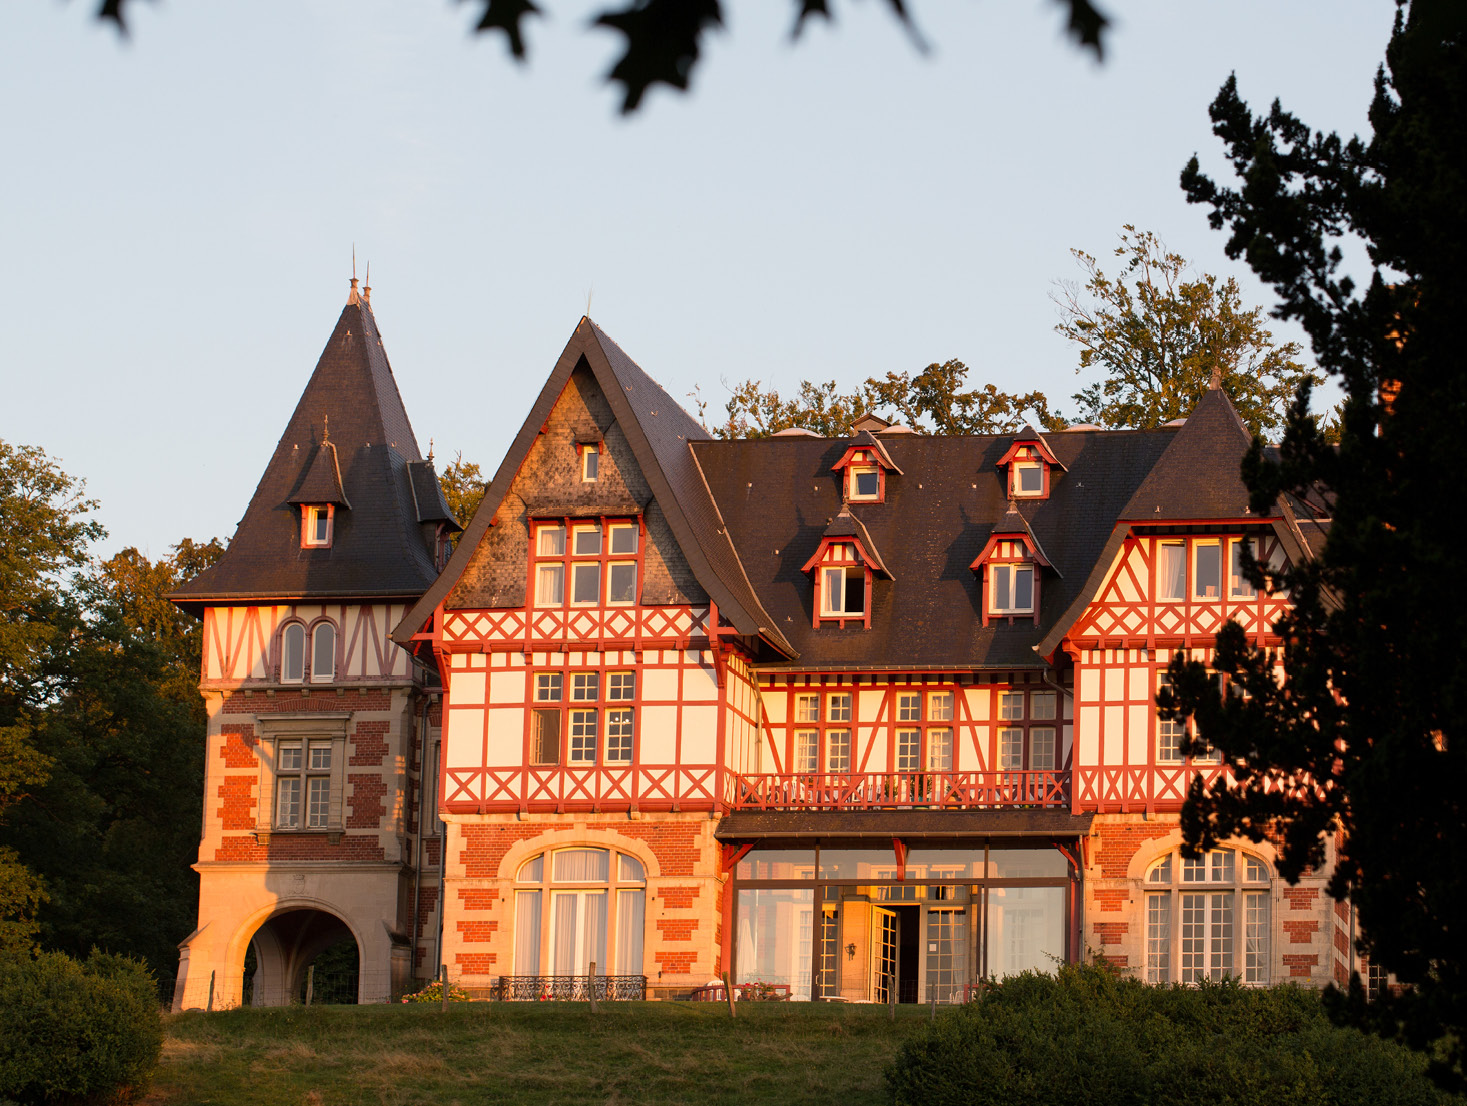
column 864, row 718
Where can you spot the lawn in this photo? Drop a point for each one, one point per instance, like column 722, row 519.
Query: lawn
column 541, row 1053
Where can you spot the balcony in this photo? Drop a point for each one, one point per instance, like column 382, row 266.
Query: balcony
column 902, row 791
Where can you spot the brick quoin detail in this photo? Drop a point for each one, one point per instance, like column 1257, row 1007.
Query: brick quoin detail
column 1110, row 933
column 1117, row 960
column 679, row 898
column 237, row 812
column 1301, row 933
column 369, row 744
column 1342, row 944
column 1300, row 964
column 1109, row 898
column 477, row 898
column 238, row 749
column 680, row 963
column 1118, row 844
column 675, row 844
column 476, row 963
column 478, row 932
column 677, row 929
column 1342, row 912
column 1301, row 898
column 301, row 846
column 434, row 847
column 285, row 703
column 367, row 810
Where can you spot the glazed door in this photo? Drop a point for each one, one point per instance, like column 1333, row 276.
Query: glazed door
column 885, row 937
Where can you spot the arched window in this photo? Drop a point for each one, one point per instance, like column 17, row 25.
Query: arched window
column 1207, row 918
column 323, row 653
column 292, row 653
column 580, row 906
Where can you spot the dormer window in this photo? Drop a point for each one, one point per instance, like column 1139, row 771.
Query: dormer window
column 1028, row 466
column 863, row 468
column 590, row 462
column 843, row 592
column 316, row 525
column 844, row 569
column 1009, row 566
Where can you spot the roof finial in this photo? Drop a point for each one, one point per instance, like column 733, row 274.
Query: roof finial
column 1216, row 382
column 326, row 428
column 430, row 451
column 367, row 286
column 353, row 298
column 589, row 292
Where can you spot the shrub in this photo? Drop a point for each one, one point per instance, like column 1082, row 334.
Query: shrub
column 1090, row 1035
column 434, row 993
column 73, row 1031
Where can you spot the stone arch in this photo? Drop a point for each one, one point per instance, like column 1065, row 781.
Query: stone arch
column 287, row 936
column 523, row 850
column 1154, row 849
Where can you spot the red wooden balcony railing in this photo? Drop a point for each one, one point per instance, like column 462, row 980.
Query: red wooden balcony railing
column 885, row 790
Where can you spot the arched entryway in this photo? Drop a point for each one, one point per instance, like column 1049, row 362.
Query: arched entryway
column 287, row 944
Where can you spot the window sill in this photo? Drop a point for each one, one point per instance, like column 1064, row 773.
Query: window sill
column 331, row 833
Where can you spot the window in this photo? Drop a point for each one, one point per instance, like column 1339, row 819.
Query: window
column 590, row 461
column 316, row 526
column 590, row 553
column 1028, row 738
column 550, row 578
column 864, row 482
column 1028, row 478
column 1238, row 585
column 571, row 704
column 1169, row 735
column 843, row 592
column 293, row 653
column 1207, row 571
column 1012, row 589
column 323, row 653
column 1207, row 918
column 302, row 772
column 596, row 914
column 924, row 740
column 1171, row 571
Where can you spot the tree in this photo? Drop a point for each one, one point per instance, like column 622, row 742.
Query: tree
column 1364, row 738
column 44, row 533
column 933, row 400
column 463, row 488
column 1158, row 336
column 663, row 39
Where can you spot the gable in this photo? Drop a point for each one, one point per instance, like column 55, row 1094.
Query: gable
column 549, row 484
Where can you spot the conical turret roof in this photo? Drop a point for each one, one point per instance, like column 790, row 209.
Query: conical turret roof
column 368, row 467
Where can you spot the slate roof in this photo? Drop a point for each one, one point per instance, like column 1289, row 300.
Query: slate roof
column 1192, row 480
column 659, row 432
column 378, row 546
column 778, row 496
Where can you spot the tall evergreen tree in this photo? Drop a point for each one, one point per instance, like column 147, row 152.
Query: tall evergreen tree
column 1363, row 738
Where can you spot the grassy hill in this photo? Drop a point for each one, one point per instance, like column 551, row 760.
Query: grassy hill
column 540, row 1053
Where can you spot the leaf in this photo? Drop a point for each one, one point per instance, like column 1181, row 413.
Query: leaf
column 505, row 15
column 662, row 43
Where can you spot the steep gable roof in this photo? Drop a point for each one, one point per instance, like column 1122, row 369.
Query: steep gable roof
column 1199, row 476
column 378, row 548
column 659, row 432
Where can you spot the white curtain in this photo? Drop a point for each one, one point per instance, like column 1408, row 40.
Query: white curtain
column 630, row 919
column 527, row 933
column 582, row 866
column 563, row 962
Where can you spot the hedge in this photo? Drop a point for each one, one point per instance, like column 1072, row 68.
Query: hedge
column 76, row 1031
column 1088, row 1035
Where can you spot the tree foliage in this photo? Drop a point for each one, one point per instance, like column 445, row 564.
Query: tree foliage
column 933, row 400
column 463, row 487
column 1158, row 336
column 1363, row 739
column 662, row 40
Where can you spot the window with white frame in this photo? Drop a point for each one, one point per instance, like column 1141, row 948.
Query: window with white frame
column 1207, row 917
column 864, row 482
column 1171, row 570
column 1028, row 479
column 1170, row 735
column 1010, row 588
column 579, row 906
column 292, row 653
column 302, row 772
column 923, row 740
column 1028, row 734
column 323, row 653
column 1207, row 570
column 1239, row 586
column 316, row 526
column 590, row 461
column 843, row 591
column 585, row 563
column 588, row 716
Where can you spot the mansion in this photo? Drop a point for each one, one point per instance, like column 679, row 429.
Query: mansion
column 867, row 718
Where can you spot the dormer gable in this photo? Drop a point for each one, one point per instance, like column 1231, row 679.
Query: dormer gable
column 863, row 468
column 1027, row 465
column 844, row 567
column 319, row 494
column 1009, row 569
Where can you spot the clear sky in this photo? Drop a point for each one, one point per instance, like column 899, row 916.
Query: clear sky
column 177, row 211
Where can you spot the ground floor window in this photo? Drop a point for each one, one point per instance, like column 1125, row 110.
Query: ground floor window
column 576, row 907
column 854, row 924
column 1207, row 917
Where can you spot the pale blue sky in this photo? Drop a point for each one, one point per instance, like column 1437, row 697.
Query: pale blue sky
column 177, row 211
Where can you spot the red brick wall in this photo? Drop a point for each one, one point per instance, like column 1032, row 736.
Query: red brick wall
column 239, row 746
column 680, row 898
column 364, row 803
column 677, row 929
column 675, row 844
column 1301, row 932
column 1119, row 843
column 292, row 701
column 237, row 811
column 301, row 846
